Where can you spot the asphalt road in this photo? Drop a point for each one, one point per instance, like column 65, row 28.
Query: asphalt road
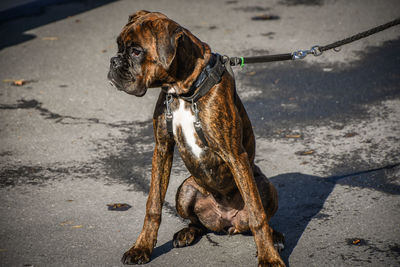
column 327, row 128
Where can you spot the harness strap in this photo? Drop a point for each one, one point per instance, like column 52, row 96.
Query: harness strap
column 210, row 76
column 197, row 124
column 168, row 113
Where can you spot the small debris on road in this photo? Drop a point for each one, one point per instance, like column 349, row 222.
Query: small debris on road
column 66, row 223
column 356, row 242
column 268, row 34
column 265, row 17
column 350, row 134
column 305, row 153
column 119, row 206
column 293, row 135
column 18, row 82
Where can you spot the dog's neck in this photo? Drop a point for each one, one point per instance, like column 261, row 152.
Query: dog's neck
column 209, row 76
column 174, row 90
column 192, row 57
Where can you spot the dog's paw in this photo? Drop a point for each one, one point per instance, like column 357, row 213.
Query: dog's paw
column 273, row 263
column 184, row 237
column 136, row 256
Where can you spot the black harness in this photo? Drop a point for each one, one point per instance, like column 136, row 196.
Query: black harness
column 210, row 76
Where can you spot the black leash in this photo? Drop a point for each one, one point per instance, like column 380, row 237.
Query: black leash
column 315, row 50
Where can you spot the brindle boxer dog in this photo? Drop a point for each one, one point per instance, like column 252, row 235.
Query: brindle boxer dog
column 226, row 190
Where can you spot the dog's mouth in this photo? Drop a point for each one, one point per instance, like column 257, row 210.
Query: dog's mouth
column 114, row 81
column 128, row 85
column 132, row 89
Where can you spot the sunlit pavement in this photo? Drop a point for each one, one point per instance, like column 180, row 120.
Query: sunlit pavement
column 327, row 132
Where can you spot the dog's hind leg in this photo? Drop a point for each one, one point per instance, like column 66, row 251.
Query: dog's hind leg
column 185, row 201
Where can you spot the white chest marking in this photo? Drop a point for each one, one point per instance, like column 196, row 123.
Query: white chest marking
column 184, row 118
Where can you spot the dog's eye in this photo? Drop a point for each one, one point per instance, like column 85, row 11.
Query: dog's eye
column 135, row 52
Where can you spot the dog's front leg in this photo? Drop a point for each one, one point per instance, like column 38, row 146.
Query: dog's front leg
column 161, row 169
column 258, row 222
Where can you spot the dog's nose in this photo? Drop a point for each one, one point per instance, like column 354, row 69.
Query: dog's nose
column 116, row 62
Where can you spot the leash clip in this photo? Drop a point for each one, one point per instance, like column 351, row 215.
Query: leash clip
column 300, row 54
column 167, row 102
column 315, row 50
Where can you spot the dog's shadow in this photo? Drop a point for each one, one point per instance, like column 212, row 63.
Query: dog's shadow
column 163, row 249
column 302, row 197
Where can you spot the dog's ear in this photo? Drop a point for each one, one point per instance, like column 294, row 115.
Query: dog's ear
column 176, row 45
column 167, row 44
column 191, row 57
column 136, row 15
column 179, row 43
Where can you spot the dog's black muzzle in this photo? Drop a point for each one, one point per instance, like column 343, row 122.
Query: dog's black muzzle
column 119, row 72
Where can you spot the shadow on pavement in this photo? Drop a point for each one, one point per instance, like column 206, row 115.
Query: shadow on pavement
column 16, row 21
column 302, row 197
column 163, row 249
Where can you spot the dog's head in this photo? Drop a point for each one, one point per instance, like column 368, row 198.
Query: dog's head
column 155, row 51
